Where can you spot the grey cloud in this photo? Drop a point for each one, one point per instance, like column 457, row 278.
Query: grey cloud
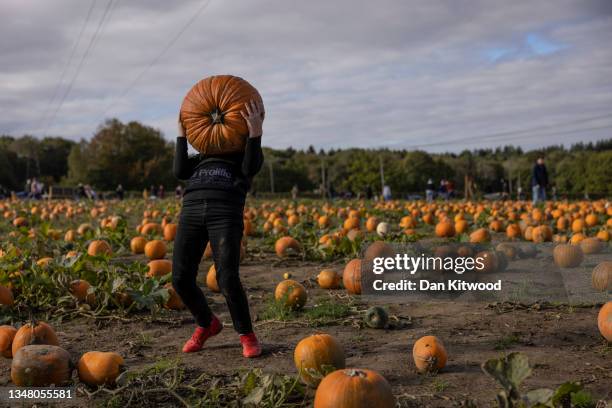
column 333, row 74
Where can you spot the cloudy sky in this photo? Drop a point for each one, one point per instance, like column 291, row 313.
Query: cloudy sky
column 435, row 75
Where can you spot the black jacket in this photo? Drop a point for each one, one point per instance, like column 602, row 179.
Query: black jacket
column 539, row 176
column 226, row 177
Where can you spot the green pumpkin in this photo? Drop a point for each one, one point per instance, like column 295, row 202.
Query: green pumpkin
column 376, row 317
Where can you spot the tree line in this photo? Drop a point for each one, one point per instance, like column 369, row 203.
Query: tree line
column 137, row 156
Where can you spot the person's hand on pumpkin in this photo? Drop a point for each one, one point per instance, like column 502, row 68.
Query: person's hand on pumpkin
column 254, row 117
column 181, row 128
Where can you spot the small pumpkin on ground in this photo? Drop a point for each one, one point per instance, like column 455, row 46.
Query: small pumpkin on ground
column 354, row 388
column 292, row 293
column 137, row 245
column 604, row 321
column 429, row 354
column 7, row 334
column 567, row 255
column 285, row 245
column 80, row 289
column 316, row 355
column 602, row 276
column 99, row 247
column 159, row 268
column 6, row 296
column 211, row 279
column 155, row 249
column 34, row 333
column 100, row 368
column 41, row 365
column 351, row 277
column 328, row 279
column 174, row 302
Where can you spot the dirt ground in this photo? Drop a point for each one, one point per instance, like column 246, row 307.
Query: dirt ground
column 562, row 343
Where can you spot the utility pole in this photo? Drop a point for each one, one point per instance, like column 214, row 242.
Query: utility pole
column 382, row 174
column 271, row 176
column 323, row 183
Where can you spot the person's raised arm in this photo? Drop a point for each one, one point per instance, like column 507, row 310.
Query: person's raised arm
column 253, row 155
column 183, row 166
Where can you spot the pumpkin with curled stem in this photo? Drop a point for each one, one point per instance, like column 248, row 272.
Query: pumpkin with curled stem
column 41, row 365
column 354, row 388
column 211, row 114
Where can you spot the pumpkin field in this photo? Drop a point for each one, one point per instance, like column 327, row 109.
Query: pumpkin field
column 86, row 301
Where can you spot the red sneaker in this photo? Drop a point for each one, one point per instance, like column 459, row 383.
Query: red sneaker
column 201, row 334
column 250, row 346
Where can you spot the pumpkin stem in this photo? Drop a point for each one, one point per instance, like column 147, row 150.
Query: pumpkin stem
column 217, row 116
column 356, row 373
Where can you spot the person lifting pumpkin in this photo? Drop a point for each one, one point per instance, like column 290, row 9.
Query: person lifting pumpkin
column 222, row 118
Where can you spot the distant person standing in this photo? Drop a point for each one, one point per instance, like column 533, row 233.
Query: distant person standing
column 386, row 192
column 504, row 189
column 539, row 181
column 450, row 189
column 153, row 192
column 178, row 192
column 442, row 192
column 119, row 191
column 429, row 190
column 161, row 191
column 294, row 192
column 369, row 193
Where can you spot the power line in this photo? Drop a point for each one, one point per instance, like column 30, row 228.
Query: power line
column 68, row 62
column 81, row 62
column 530, row 131
column 155, row 60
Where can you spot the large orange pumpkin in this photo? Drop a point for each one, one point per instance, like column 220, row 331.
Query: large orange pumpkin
column 211, row 114
column 41, row 365
column 316, row 354
column 354, row 388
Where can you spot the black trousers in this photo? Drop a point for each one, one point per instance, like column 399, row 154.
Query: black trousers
column 221, row 223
